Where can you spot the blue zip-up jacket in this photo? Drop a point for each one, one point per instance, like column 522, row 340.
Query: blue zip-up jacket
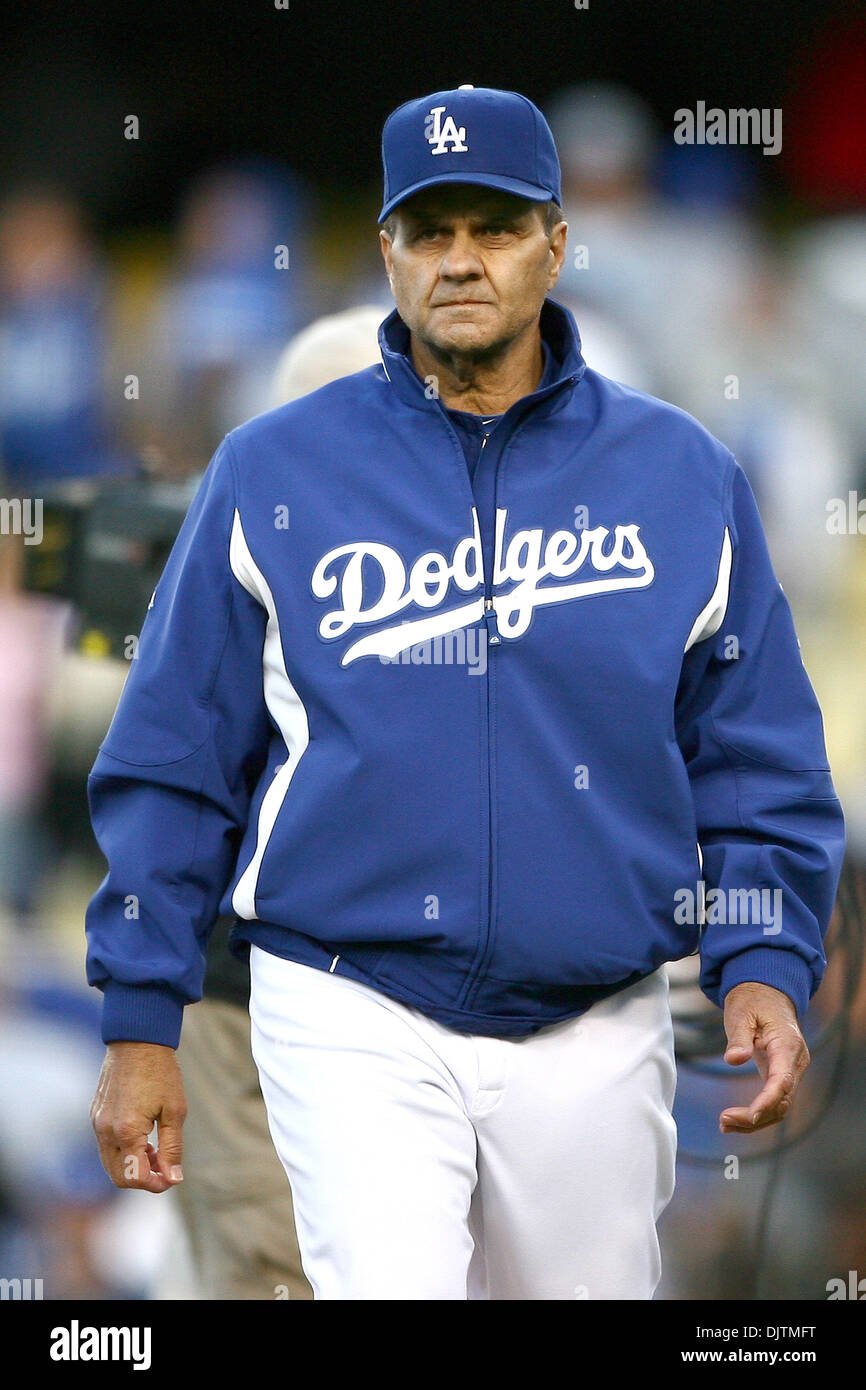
column 481, row 744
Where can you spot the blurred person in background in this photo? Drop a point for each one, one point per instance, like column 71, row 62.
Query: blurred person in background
column 33, row 635
column 823, row 441
column 54, row 420
column 240, row 287
column 660, row 269
column 56, row 427
column 828, row 274
column 764, row 389
column 235, row 1199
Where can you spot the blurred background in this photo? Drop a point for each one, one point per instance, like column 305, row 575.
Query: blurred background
column 186, row 190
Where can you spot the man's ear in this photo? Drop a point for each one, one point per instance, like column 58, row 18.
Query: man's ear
column 385, row 246
column 557, row 250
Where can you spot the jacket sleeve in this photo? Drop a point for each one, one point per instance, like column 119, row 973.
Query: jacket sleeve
column 750, row 731
column 170, row 789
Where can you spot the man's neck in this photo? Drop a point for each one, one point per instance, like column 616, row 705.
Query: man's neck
column 482, row 388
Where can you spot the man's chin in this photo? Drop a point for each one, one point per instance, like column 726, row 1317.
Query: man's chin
column 470, row 337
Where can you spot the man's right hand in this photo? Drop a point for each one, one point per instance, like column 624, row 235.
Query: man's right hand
column 140, row 1085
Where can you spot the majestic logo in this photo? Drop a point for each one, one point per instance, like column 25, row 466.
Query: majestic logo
column 526, row 563
column 438, row 133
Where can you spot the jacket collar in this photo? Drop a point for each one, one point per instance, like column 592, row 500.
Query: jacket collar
column 558, row 330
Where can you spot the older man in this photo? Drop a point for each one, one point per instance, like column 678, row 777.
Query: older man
column 459, row 882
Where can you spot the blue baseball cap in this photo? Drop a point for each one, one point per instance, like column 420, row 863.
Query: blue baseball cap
column 469, row 134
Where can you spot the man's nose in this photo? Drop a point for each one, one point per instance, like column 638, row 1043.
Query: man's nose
column 461, row 261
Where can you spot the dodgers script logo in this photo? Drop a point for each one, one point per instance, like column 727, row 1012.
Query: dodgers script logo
column 528, row 561
column 438, row 134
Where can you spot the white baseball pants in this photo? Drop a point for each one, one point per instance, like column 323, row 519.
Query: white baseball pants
column 429, row 1164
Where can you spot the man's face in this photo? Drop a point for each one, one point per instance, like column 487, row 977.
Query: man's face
column 470, row 267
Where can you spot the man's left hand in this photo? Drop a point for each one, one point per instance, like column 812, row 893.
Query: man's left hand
column 761, row 1022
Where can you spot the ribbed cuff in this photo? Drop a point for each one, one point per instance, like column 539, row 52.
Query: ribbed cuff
column 782, row 969
column 141, row 1013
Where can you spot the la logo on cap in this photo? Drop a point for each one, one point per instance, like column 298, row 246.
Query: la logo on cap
column 439, row 134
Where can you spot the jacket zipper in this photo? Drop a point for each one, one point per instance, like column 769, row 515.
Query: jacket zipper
column 493, row 640
column 493, row 637
column 472, row 982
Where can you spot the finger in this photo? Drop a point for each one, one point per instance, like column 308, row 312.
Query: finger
column 769, row 1106
column 141, row 1172
column 125, row 1163
column 781, row 1059
column 167, row 1160
column 128, row 1164
column 741, row 1121
column 112, row 1152
column 741, row 1030
column 738, row 1053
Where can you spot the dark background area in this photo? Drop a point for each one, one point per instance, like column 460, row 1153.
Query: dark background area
column 312, row 84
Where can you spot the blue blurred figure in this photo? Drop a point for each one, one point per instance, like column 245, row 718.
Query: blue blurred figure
column 53, row 421
column 241, row 288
